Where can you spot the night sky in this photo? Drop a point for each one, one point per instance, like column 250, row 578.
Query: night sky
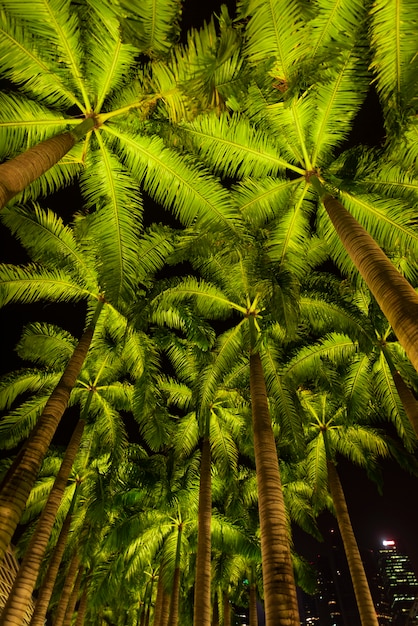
column 392, row 515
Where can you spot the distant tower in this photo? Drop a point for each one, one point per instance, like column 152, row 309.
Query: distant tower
column 399, row 581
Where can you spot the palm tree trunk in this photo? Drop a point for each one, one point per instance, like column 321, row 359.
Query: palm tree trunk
column 69, row 611
column 66, row 591
column 175, row 593
column 408, row 400
column 253, row 605
column 18, row 173
column 159, row 599
column 24, row 584
column 280, row 599
column 82, row 608
column 202, row 614
column 47, row 587
column 227, row 610
column 395, row 296
column 18, row 486
column 364, row 600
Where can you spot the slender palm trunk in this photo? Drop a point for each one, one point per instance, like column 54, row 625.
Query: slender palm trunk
column 365, row 604
column 395, row 296
column 253, row 605
column 66, row 591
column 409, row 402
column 202, row 614
column 175, row 593
column 159, row 598
column 280, row 599
column 18, row 173
column 227, row 610
column 47, row 587
column 82, row 608
column 72, row 601
column 215, row 611
column 24, row 584
column 18, row 486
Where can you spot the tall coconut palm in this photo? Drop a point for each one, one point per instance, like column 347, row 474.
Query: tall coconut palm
column 75, row 278
column 245, row 291
column 294, row 121
column 96, row 76
column 329, row 434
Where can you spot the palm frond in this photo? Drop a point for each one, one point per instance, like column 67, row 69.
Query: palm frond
column 33, row 283
column 283, row 399
column 275, row 30
column 233, row 147
column 393, row 34
column 337, row 104
column 152, row 25
column 261, row 200
column 109, row 64
column 30, row 63
column 115, row 223
column 17, row 425
column 18, row 383
column 190, row 193
column 45, row 237
column 223, row 447
column 25, row 122
column 46, row 344
column 310, row 362
column 334, row 25
column 186, row 435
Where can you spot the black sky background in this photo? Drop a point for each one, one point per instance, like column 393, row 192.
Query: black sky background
column 394, row 514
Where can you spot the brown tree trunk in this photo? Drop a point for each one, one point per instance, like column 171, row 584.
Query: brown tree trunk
column 227, row 610
column 18, row 173
column 280, row 599
column 21, row 594
column 202, row 588
column 395, row 296
column 159, row 598
column 409, row 402
column 364, row 600
column 175, row 593
column 47, row 587
column 82, row 608
column 18, row 486
column 72, row 601
column 253, row 605
column 66, row 592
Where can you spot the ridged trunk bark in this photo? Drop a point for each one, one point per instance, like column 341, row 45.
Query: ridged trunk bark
column 21, row 593
column 227, row 610
column 175, row 592
column 253, row 605
column 16, row 490
column 47, row 587
column 395, row 296
column 66, row 591
column 364, row 600
column 409, row 402
column 280, row 599
column 202, row 613
column 82, row 608
column 19, row 172
column 72, row 601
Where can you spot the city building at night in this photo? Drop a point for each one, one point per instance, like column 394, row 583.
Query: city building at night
column 400, row 582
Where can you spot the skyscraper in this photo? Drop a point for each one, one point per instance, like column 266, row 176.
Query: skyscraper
column 399, row 581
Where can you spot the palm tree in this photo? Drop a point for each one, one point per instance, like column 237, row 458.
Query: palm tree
column 75, row 278
column 98, row 78
column 243, row 290
column 329, row 434
column 289, row 124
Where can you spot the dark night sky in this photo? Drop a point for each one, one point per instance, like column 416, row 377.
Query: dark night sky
column 374, row 517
